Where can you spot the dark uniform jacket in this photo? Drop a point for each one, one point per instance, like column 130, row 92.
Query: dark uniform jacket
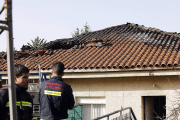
column 24, row 104
column 55, row 99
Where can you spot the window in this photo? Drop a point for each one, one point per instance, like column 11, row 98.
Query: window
column 90, row 111
column 92, row 107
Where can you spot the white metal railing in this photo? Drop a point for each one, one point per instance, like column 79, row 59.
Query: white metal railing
column 128, row 116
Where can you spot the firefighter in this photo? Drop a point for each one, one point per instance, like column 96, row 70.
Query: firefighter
column 55, row 96
column 24, row 101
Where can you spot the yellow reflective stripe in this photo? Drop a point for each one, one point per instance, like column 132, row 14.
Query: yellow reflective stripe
column 24, row 103
column 55, row 93
column 18, row 103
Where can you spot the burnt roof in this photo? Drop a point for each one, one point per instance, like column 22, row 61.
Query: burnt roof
column 118, row 47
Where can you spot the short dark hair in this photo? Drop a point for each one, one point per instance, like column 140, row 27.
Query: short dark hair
column 58, row 68
column 19, row 69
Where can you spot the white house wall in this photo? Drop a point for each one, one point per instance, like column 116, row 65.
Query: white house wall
column 126, row 92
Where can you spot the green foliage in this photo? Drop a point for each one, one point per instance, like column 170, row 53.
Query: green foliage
column 83, row 30
column 37, row 42
column 76, row 32
column 86, row 28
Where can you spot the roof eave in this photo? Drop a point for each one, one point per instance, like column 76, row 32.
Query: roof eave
column 108, row 73
column 112, row 73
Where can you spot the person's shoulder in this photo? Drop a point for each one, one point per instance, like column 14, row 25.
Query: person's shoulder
column 42, row 83
column 66, row 85
column 27, row 93
column 4, row 91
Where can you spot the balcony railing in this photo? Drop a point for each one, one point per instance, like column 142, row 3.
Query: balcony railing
column 128, row 116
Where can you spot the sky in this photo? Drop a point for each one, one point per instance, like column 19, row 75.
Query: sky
column 56, row 19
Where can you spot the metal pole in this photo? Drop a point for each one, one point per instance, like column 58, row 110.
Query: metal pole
column 121, row 116
column 0, row 81
column 39, row 68
column 10, row 61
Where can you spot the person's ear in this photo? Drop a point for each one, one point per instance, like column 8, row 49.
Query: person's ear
column 16, row 80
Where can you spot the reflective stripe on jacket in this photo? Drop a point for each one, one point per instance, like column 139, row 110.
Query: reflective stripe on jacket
column 24, row 104
column 55, row 98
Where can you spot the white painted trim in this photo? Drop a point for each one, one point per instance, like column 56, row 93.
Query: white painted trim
column 121, row 74
column 108, row 73
column 88, row 100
